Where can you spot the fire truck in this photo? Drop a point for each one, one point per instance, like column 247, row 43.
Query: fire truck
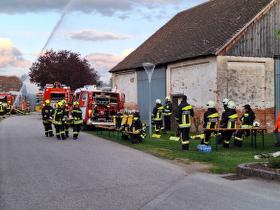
column 99, row 105
column 6, row 98
column 56, row 92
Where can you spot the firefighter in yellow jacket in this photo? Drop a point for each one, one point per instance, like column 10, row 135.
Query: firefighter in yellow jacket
column 47, row 116
column 157, row 116
column 184, row 116
column 77, row 120
column 57, row 121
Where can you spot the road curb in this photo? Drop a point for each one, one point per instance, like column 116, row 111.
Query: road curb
column 246, row 170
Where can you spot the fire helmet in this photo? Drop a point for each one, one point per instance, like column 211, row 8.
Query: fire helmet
column 211, row 104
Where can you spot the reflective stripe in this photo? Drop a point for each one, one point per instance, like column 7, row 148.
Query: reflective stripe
column 232, row 121
column 185, row 142
column 75, row 132
column 159, row 114
column 215, row 115
column 226, row 142
column 189, row 107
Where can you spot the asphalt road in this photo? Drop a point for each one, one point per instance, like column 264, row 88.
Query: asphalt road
column 42, row 173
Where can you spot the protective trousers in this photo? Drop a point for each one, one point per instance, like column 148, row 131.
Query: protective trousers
column 59, row 130
column 185, row 137
column 207, row 135
column 76, row 130
column 158, row 126
column 167, row 122
column 48, row 129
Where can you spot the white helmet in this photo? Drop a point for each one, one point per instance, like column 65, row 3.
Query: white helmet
column 167, row 98
column 256, row 124
column 158, row 101
column 231, row 105
column 226, row 101
column 211, row 104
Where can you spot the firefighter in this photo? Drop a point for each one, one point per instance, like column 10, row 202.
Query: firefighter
column 8, row 108
column 2, row 111
column 57, row 121
column 229, row 121
column 157, row 116
column 211, row 118
column 184, row 115
column 247, row 121
column 137, row 129
column 65, row 122
column 225, row 103
column 77, row 120
column 47, row 113
column 167, row 114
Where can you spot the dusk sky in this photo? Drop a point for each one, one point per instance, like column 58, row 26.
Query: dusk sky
column 103, row 31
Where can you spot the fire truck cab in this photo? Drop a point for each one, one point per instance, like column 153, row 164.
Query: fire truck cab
column 56, row 92
column 99, row 105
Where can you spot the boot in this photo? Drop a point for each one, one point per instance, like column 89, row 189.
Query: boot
column 226, row 146
column 185, row 147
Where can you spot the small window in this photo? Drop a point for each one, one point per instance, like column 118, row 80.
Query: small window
column 84, row 97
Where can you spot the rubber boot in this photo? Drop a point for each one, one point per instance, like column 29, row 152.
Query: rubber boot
column 185, row 147
column 225, row 145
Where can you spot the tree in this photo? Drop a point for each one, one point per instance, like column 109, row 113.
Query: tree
column 64, row 66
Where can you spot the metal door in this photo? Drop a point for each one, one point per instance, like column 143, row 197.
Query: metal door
column 158, row 87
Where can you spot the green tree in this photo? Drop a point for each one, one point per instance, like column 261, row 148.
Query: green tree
column 63, row 66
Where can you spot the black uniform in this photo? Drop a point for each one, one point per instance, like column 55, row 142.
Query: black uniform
column 247, row 121
column 157, row 117
column 211, row 118
column 167, row 115
column 57, row 121
column 2, row 111
column 137, row 129
column 229, row 120
column 65, row 123
column 47, row 114
column 77, row 121
column 184, row 117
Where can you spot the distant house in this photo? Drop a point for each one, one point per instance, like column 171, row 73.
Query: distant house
column 222, row 48
column 9, row 83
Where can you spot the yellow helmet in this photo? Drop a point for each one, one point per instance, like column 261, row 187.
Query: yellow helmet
column 47, row 102
column 63, row 101
column 59, row 104
column 76, row 103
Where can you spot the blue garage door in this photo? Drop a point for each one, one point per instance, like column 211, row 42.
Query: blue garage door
column 277, row 85
column 158, row 90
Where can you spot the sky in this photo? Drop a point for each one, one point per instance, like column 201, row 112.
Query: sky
column 103, row 31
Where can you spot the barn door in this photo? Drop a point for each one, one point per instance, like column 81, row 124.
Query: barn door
column 158, row 90
column 277, row 85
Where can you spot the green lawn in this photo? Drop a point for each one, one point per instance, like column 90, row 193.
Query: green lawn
column 222, row 161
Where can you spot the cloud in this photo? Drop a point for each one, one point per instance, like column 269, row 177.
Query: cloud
column 106, row 7
column 93, row 35
column 104, row 62
column 10, row 56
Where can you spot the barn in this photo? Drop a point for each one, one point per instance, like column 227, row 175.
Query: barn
column 221, row 48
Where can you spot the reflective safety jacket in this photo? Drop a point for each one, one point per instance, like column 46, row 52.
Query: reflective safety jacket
column 211, row 118
column 184, row 115
column 58, row 116
column 1, row 108
column 229, row 119
column 157, row 112
column 136, row 124
column 8, row 107
column 77, row 115
column 167, row 108
column 248, row 118
column 47, row 113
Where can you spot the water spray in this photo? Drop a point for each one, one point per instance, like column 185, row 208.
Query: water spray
column 26, row 80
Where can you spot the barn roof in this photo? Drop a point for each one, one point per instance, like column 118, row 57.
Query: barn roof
column 200, row 31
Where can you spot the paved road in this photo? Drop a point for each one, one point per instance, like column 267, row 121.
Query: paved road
column 40, row 173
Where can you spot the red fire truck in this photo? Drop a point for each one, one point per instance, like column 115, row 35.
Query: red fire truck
column 56, row 92
column 99, row 105
column 6, row 98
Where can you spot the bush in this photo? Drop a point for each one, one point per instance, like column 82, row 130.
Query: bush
column 274, row 162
